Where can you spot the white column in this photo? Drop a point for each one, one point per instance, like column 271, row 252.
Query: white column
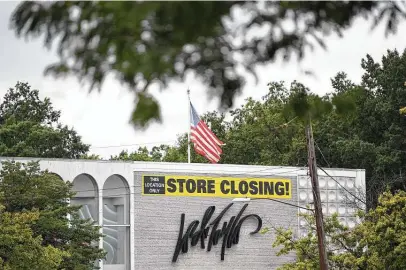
column 69, row 215
column 101, row 223
column 132, row 222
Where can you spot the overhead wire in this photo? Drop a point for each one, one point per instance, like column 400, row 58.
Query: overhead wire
column 127, row 145
column 228, row 175
column 241, row 174
column 290, row 204
column 170, row 141
column 237, row 174
column 251, row 199
column 338, row 183
column 322, row 154
column 335, row 180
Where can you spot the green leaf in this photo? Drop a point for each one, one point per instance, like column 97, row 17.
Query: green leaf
column 35, row 232
column 144, row 42
column 146, row 109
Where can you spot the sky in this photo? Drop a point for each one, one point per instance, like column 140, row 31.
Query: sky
column 102, row 118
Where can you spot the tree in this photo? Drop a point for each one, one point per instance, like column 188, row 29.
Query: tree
column 146, row 42
column 24, row 187
column 373, row 137
column 370, row 136
column 378, row 242
column 143, row 154
column 266, row 132
column 258, row 133
column 19, row 249
column 30, row 127
column 90, row 157
column 177, row 152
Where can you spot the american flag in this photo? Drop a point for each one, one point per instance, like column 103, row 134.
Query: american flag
column 204, row 141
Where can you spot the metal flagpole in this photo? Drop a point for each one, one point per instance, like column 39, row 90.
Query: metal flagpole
column 188, row 134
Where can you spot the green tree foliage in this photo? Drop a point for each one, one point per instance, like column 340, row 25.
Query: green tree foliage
column 265, row 132
column 145, row 42
column 163, row 153
column 143, row 154
column 371, row 134
column 269, row 132
column 373, row 137
column 378, row 242
column 90, row 157
column 29, row 127
column 41, row 198
column 177, row 152
column 20, row 249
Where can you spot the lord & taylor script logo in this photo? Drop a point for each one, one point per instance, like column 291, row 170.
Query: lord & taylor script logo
column 229, row 231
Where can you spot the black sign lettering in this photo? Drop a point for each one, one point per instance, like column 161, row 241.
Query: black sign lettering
column 233, row 190
column 223, row 189
column 171, row 185
column 253, row 188
column 229, row 231
column 243, row 186
column 201, row 186
column 261, row 188
column 154, row 184
column 280, row 188
column 269, row 188
column 190, row 186
column 181, row 182
column 211, row 186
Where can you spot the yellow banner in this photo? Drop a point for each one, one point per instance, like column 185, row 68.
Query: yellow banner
column 206, row 186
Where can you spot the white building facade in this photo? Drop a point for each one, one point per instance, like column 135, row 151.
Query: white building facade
column 196, row 216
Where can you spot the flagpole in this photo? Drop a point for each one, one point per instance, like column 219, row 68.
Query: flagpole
column 188, row 134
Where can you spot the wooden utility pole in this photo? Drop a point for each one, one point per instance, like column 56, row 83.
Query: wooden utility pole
column 316, row 197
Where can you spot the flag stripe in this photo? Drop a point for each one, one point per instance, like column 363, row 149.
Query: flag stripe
column 207, row 134
column 199, row 132
column 204, row 153
column 200, row 151
column 213, row 137
column 208, row 156
column 204, row 141
column 204, row 144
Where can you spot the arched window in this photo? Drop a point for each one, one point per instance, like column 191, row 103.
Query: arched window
column 86, row 191
column 87, row 195
column 116, row 222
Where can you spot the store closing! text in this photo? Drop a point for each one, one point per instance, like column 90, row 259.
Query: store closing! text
column 170, row 185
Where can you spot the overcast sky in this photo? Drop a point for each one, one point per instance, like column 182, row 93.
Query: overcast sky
column 102, row 119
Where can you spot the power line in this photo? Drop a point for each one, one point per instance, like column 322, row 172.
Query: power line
column 355, row 196
column 238, row 174
column 241, row 174
column 322, row 154
column 171, row 141
column 251, row 199
column 134, row 144
column 335, row 180
column 290, row 204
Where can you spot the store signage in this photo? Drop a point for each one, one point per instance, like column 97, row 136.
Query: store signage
column 229, row 231
column 204, row 186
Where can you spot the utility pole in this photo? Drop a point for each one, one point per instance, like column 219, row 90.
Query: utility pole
column 316, row 197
